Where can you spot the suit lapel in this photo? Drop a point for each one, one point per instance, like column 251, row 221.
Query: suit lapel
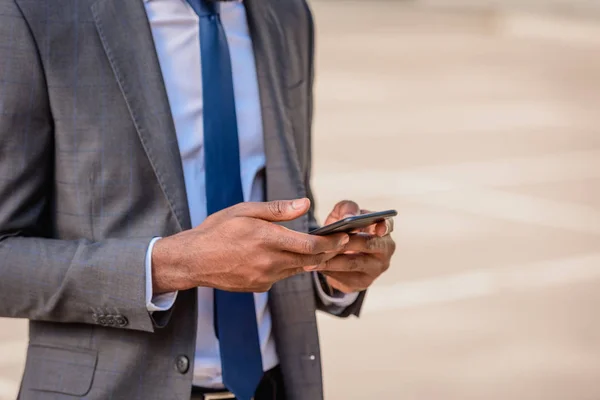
column 284, row 179
column 127, row 40
column 292, row 300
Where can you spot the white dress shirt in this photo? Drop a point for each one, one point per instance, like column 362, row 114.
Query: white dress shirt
column 175, row 29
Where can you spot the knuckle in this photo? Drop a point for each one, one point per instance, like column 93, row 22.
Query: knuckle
column 263, row 234
column 261, row 263
column 374, row 243
column 264, row 263
column 321, row 259
column 236, row 226
column 338, row 242
column 254, row 278
column 281, row 241
column 239, row 209
column 325, row 264
column 309, row 246
column 276, row 208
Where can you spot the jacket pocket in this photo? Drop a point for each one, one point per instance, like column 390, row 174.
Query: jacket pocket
column 59, row 370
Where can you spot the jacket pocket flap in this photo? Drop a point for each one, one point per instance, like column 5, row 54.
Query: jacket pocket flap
column 60, row 370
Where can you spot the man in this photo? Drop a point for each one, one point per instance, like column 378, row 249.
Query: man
column 155, row 198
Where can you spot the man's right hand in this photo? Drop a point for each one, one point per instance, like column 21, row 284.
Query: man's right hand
column 241, row 249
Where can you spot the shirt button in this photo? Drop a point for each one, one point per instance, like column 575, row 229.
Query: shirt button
column 182, row 363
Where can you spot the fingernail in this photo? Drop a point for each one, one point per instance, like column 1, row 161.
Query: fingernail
column 344, row 240
column 311, row 268
column 299, row 204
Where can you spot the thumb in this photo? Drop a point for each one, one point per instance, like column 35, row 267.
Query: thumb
column 276, row 211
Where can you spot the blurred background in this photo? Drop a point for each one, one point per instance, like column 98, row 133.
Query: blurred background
column 479, row 121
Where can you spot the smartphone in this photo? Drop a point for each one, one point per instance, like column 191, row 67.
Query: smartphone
column 349, row 224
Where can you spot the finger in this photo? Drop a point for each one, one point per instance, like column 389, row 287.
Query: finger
column 371, row 229
column 343, row 209
column 347, row 208
column 384, row 228
column 306, row 261
column 301, row 243
column 273, row 211
column 348, row 282
column 347, row 263
column 368, row 244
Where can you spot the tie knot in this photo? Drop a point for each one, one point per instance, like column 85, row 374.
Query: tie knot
column 209, row 7
column 205, row 8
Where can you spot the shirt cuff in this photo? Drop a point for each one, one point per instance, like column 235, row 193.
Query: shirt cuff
column 340, row 301
column 161, row 302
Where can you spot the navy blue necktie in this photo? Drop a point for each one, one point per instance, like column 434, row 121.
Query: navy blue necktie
column 235, row 313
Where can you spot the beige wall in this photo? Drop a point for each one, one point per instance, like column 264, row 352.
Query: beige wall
column 580, row 7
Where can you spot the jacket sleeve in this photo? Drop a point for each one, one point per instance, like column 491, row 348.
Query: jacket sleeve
column 354, row 308
column 42, row 278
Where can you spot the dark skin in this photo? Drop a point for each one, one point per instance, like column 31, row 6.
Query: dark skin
column 366, row 256
column 241, row 249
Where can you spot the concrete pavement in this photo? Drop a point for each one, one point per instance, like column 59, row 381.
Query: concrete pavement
column 487, row 141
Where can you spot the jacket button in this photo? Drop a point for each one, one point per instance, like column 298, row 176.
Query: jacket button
column 121, row 321
column 110, row 320
column 182, row 364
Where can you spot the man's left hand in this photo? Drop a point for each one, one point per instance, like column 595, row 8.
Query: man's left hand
column 366, row 256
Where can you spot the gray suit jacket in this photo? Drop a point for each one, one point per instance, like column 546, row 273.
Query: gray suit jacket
column 90, row 171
